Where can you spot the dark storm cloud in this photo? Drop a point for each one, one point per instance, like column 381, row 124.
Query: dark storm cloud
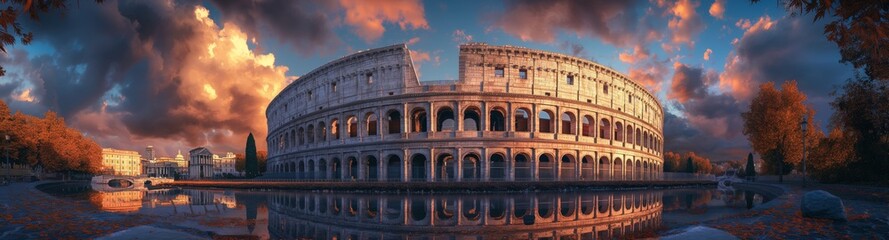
column 155, row 72
column 614, row 22
column 303, row 24
column 712, row 123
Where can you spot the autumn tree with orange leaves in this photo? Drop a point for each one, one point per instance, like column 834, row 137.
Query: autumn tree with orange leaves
column 676, row 162
column 48, row 143
column 772, row 125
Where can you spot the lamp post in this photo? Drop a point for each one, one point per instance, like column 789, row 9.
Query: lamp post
column 803, row 125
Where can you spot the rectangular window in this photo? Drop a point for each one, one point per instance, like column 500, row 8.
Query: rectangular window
column 333, row 87
column 498, row 72
column 570, row 80
column 370, row 78
column 523, row 73
column 605, row 88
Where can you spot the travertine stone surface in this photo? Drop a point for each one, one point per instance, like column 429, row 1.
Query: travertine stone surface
column 367, row 117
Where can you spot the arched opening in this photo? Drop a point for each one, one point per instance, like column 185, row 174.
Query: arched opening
column 471, row 167
column 418, row 168
column 545, row 167
column 393, row 118
column 630, row 134
column 522, row 167
column 373, row 168
column 588, row 126
column 445, row 119
column 568, row 168
column 630, row 171
column 587, row 167
column 618, row 169
column 545, row 206
column 567, row 206
column 372, row 208
column 394, row 209
column 301, row 135
column 604, row 168
column 618, row 132
column 322, row 169
column 445, row 168
column 605, row 129
column 393, row 168
column 371, row 124
column 472, row 119
column 418, row 120
column 337, row 168
column 497, row 120
column 290, row 139
column 569, row 123
column 498, row 167
column 322, row 132
column 522, row 207
column 310, row 171
column 638, row 136
column 335, row 128
column 445, row 209
column 310, row 134
column 353, row 126
column 522, row 120
column 353, row 168
column 545, row 120
column 587, row 205
column 472, row 209
column 497, row 208
column 639, row 170
column 617, row 203
column 418, row 209
column 301, row 170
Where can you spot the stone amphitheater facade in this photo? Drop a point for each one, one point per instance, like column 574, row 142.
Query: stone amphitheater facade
column 515, row 114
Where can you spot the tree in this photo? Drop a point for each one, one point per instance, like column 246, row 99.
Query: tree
column 862, row 116
column 671, row 162
column 690, row 166
column 250, row 157
column 831, row 159
column 859, row 28
column 750, row 169
column 773, row 117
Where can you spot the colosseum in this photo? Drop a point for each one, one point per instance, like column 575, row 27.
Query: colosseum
column 514, row 114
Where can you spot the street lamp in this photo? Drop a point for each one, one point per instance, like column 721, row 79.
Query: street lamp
column 803, row 125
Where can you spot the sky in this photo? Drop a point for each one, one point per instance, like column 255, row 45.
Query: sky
column 183, row 74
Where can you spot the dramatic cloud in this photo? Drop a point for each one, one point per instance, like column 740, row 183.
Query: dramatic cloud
column 717, row 9
column 708, row 117
column 153, row 72
column 302, row 24
column 707, row 54
column 614, row 22
column 781, row 50
column 573, row 49
column 686, row 24
column 367, row 19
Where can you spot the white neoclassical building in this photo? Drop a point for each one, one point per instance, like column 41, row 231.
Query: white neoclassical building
column 200, row 163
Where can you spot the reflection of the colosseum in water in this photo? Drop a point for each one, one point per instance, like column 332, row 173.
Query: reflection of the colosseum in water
column 555, row 215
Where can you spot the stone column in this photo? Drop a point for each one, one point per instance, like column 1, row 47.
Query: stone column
column 459, row 164
column 458, row 117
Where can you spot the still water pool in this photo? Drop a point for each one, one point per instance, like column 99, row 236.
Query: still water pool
column 324, row 215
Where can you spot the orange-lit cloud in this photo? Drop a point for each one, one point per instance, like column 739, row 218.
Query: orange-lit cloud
column 717, row 9
column 686, row 23
column 24, row 96
column 367, row 20
column 707, row 54
column 613, row 22
column 639, row 53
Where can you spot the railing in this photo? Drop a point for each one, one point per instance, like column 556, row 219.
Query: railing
column 667, row 176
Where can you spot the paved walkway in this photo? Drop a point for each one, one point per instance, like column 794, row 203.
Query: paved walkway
column 866, row 207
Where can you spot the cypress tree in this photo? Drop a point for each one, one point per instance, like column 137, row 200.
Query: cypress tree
column 750, row 170
column 690, row 166
column 250, row 157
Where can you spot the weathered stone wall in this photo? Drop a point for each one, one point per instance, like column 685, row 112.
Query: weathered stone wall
column 470, row 129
